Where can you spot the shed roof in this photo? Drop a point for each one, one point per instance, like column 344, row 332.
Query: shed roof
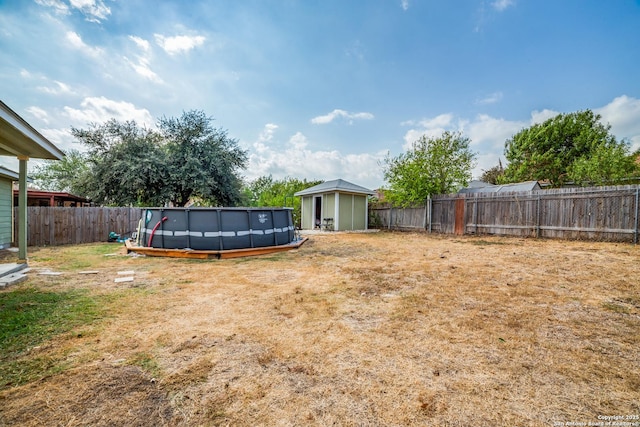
column 19, row 138
column 504, row 188
column 9, row 174
column 335, row 185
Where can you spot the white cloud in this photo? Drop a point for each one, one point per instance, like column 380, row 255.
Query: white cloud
column 623, row 114
column 405, row 4
column 267, row 133
column 328, row 118
column 501, row 5
column 62, row 138
column 58, row 6
column 437, row 122
column 490, row 99
column 142, row 63
column 76, row 41
column 295, row 159
column 101, row 109
column 94, row 10
column 431, row 128
column 141, row 43
column 38, row 113
column 178, row 44
column 542, row 116
column 490, row 132
column 57, row 88
column 142, row 68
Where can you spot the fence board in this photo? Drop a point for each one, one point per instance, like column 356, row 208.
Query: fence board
column 53, row 226
column 600, row 213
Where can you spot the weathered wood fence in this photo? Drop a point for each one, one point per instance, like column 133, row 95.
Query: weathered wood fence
column 599, row 213
column 53, row 226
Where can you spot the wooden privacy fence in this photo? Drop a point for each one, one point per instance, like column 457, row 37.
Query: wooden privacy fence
column 53, row 226
column 599, row 213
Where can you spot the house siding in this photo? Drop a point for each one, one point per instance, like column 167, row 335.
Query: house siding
column 6, row 217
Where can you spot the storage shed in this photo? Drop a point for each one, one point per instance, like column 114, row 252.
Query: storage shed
column 7, row 177
column 335, row 205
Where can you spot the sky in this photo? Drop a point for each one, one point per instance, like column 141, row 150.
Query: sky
column 321, row 90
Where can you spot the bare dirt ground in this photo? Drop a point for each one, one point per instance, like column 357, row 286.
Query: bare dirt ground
column 383, row 329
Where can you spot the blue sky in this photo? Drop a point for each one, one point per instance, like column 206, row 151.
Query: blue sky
column 323, row 90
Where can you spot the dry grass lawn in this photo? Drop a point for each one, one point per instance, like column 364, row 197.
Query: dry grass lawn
column 376, row 329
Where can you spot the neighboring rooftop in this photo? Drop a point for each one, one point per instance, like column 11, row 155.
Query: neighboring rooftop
column 477, row 187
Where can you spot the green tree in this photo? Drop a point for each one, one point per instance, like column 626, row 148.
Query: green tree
column 565, row 148
column 608, row 164
column 70, row 174
column 494, row 174
column 204, row 161
column 432, row 166
column 128, row 164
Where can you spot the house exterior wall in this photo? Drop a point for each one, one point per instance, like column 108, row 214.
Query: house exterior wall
column 6, row 213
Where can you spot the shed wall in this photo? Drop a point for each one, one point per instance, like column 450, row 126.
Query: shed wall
column 346, row 212
column 306, row 220
column 329, row 206
column 360, row 212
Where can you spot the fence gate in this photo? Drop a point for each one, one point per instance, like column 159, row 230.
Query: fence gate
column 459, row 217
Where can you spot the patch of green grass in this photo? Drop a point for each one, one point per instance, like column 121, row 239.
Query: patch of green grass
column 29, row 317
column 147, row 362
column 18, row 372
column 77, row 257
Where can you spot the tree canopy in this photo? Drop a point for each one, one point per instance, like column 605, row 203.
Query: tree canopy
column 432, row 166
column 128, row 164
column 575, row 147
column 265, row 191
column 204, row 162
column 493, row 174
column 70, row 174
column 186, row 159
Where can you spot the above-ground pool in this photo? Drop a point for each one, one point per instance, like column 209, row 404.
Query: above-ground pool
column 215, row 229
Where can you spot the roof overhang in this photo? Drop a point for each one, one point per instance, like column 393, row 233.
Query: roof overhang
column 9, row 174
column 19, row 139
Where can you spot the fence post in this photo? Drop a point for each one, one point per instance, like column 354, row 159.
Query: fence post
column 426, row 205
column 635, row 234
column 430, row 211
column 538, row 217
column 475, row 215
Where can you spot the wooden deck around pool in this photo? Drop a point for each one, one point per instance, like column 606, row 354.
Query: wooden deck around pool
column 213, row 254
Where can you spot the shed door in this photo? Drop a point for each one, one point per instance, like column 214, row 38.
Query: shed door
column 317, row 220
